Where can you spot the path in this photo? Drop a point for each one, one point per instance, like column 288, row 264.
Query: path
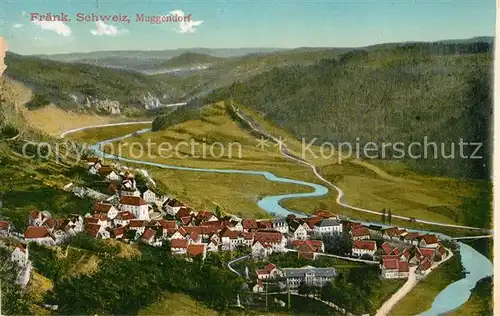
column 472, row 237
column 396, row 297
column 234, row 261
column 339, row 257
column 285, row 152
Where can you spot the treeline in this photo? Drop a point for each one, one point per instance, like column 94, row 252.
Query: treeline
column 401, row 94
column 181, row 114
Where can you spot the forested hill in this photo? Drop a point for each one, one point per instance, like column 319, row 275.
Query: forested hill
column 395, row 93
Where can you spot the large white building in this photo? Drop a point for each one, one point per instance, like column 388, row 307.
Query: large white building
column 311, row 276
column 136, row 205
column 328, row 227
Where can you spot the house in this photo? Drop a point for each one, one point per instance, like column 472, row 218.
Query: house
column 280, row 224
column 194, row 250
column 391, row 233
column 328, row 227
column 136, row 205
column 229, row 239
column 393, row 268
column 138, row 225
column 97, row 231
column 264, row 224
column 178, row 246
column 4, row 228
column 37, row 218
column 308, row 248
column 412, row 238
column 123, row 218
column 364, row 247
column 271, row 237
column 213, row 245
column 117, row 232
column 386, row 248
column 360, row 233
column 148, row 236
column 94, row 168
column 113, row 176
column 250, row 225
column 269, row 272
column 104, row 208
column 172, row 206
column 297, row 230
column 39, row 235
column 441, row 253
column 20, row 255
column 206, row 216
column 149, row 196
column 429, row 241
column 261, row 249
column 424, row 267
column 311, row 276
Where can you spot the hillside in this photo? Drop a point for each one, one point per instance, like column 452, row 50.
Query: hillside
column 84, row 87
column 189, row 60
column 399, row 93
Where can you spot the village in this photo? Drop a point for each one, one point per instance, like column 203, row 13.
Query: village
column 138, row 213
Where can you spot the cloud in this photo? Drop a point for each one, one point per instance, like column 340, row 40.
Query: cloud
column 18, row 26
column 185, row 26
column 55, row 26
column 106, row 29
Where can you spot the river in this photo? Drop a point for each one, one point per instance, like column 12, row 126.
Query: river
column 452, row 297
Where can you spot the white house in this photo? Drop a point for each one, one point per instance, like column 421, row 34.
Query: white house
column 20, row 255
column 328, row 227
column 129, row 192
column 136, row 205
column 269, row 272
column 4, row 228
column 261, row 250
column 362, row 247
column 297, row 230
column 394, row 269
column 178, row 246
column 280, row 225
column 104, row 208
column 172, row 206
column 311, row 276
column 149, row 196
column 429, row 241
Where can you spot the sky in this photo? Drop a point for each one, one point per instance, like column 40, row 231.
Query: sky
column 236, row 24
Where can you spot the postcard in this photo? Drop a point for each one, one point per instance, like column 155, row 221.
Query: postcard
column 246, row 158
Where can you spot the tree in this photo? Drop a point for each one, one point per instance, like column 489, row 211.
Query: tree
column 217, row 211
column 383, row 215
column 389, row 217
column 304, row 289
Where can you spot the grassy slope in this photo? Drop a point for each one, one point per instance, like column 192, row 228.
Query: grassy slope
column 379, row 96
column 177, row 304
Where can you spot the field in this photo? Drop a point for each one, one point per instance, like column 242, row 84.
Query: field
column 374, row 185
column 177, row 304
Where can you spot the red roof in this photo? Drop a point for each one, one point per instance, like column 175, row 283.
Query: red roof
column 392, row 231
column 387, row 248
column 249, row 224
column 226, row 232
column 101, row 207
column 186, row 220
column 183, row 212
column 425, row 265
column 4, row 225
column 396, row 251
column 36, row 232
column 148, row 234
column 358, row 232
column 430, row 239
column 441, row 250
column 314, row 245
column 118, row 231
column 125, row 215
column 265, row 224
column 204, row 215
column 178, row 243
column 427, row 252
column 406, row 253
column 403, row 266
column 268, row 236
column 132, row 200
column 93, row 229
column 136, row 223
column 365, row 244
column 167, row 224
column 412, row 236
column 390, row 257
column 35, row 214
column 390, row 264
column 196, row 249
